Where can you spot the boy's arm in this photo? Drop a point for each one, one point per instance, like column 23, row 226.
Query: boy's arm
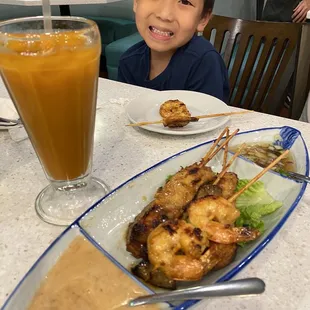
column 209, row 76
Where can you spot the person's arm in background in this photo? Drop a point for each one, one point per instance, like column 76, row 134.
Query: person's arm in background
column 300, row 12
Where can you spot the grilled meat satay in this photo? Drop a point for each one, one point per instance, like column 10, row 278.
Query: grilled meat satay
column 208, row 190
column 145, row 271
column 228, row 184
column 174, row 114
column 169, row 203
column 225, row 188
column 182, row 188
column 150, row 217
column 178, row 121
column 225, row 252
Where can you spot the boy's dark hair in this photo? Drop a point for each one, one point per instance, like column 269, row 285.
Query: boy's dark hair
column 207, row 7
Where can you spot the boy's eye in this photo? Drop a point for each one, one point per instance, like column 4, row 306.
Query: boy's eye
column 186, row 2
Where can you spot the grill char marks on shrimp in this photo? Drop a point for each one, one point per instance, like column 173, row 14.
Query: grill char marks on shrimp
column 169, row 203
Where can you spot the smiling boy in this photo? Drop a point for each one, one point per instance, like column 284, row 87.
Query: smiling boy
column 171, row 55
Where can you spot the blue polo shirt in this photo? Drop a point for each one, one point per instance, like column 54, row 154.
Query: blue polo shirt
column 196, row 66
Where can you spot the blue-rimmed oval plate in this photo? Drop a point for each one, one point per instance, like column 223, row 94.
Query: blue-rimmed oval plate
column 105, row 223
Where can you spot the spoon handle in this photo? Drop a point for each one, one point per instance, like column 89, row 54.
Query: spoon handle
column 247, row 286
column 10, row 121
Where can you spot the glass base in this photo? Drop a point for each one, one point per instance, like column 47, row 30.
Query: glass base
column 63, row 205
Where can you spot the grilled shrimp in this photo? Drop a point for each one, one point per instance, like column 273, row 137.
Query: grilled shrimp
column 228, row 234
column 169, row 203
column 175, row 247
column 216, row 216
column 212, row 208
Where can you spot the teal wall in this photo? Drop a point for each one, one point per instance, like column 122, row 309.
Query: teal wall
column 235, row 8
column 11, row 11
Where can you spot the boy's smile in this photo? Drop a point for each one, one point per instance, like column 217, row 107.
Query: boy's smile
column 166, row 25
column 162, row 34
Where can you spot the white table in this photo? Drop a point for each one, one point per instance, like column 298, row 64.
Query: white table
column 284, row 264
column 64, row 5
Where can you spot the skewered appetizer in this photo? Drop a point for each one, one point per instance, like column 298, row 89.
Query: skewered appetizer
column 190, row 227
column 175, row 114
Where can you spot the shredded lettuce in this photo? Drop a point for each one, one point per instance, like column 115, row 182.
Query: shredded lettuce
column 168, row 178
column 254, row 204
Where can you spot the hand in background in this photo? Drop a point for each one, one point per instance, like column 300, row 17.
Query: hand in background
column 300, row 12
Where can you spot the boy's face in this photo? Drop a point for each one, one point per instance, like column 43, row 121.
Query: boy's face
column 166, row 25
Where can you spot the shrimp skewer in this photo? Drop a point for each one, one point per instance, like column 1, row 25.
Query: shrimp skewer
column 180, row 252
column 171, row 200
column 177, row 248
column 186, row 251
column 193, row 260
column 216, row 215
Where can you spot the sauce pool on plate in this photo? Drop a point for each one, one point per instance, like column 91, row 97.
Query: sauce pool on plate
column 264, row 154
column 84, row 279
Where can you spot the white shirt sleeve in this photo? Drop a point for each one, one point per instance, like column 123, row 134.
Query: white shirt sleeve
column 305, row 116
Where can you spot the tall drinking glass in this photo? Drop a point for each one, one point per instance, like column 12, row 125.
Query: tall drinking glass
column 52, row 79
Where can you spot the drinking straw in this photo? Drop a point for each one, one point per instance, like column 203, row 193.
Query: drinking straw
column 46, row 8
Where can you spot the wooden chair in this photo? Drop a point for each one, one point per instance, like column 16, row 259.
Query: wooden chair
column 261, row 58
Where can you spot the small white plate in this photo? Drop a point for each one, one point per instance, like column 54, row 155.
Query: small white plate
column 147, row 109
column 7, row 110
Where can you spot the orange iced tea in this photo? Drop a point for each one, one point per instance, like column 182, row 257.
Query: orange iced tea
column 52, row 79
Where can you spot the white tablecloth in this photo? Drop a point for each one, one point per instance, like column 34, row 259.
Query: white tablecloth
column 121, row 152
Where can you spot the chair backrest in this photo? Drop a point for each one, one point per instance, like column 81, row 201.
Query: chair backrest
column 260, row 57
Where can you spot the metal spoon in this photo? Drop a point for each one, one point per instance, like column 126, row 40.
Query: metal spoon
column 247, row 286
column 6, row 122
column 10, row 121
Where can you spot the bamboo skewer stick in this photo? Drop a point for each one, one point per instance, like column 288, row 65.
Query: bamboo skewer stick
column 214, row 145
column 236, row 195
column 225, row 151
column 190, row 119
column 207, row 159
column 229, row 164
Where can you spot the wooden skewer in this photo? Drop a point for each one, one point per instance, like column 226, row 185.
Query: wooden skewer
column 194, row 119
column 205, row 160
column 236, row 195
column 229, row 164
column 225, row 151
